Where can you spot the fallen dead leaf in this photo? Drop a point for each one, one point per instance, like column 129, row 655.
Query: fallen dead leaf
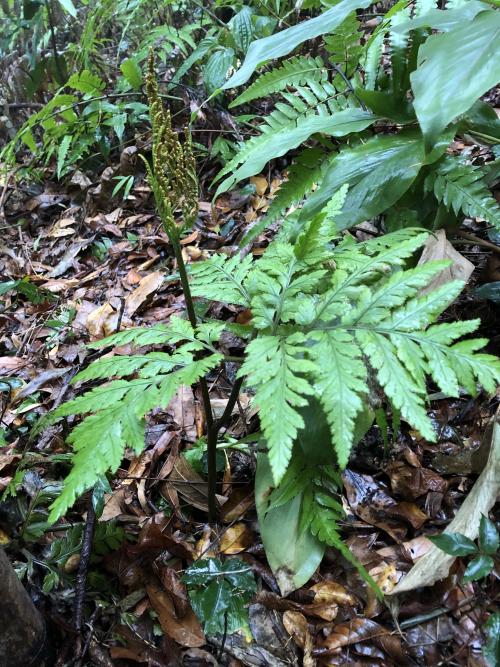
column 260, row 183
column 344, row 634
column 98, row 321
column 185, row 630
column 147, row 286
column 438, row 247
column 236, row 539
column 296, row 625
column 9, row 365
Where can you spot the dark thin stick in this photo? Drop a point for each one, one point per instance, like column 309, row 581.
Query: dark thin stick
column 53, row 41
column 81, row 577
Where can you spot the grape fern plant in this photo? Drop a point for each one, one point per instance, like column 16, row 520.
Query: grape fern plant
column 332, row 320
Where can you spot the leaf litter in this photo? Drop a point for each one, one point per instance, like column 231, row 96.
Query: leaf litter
column 96, row 270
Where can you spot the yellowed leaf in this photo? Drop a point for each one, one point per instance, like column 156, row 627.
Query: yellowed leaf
column 260, row 183
column 236, row 539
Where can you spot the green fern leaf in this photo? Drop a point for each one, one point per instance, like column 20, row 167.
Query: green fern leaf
column 221, row 279
column 100, row 439
column 297, row 71
column 275, row 368
column 324, row 526
column 342, row 385
column 460, row 187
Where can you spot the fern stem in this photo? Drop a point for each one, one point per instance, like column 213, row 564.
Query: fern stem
column 207, row 407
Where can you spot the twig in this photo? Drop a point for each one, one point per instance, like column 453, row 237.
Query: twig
column 81, row 577
column 475, row 239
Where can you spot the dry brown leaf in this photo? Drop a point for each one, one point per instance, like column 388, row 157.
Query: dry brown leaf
column 240, row 501
column 185, row 630
column 100, row 321
column 147, row 286
column 62, row 228
column 9, row 365
column 438, row 247
column 328, row 592
column 260, row 183
column 296, row 625
column 344, row 634
column 236, row 539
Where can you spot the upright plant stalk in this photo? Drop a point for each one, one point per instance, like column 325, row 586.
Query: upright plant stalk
column 175, row 187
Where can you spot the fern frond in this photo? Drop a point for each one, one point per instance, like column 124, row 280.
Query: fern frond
column 302, row 175
column 344, row 47
column 118, row 421
column 275, row 367
column 324, row 526
column 460, row 187
column 365, row 319
column 311, row 109
column 295, row 72
column 221, row 279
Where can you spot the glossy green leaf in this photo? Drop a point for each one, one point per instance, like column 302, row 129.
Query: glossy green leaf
column 242, row 28
column 482, row 121
column 132, row 73
column 454, row 544
column 218, row 591
column 488, row 536
column 215, row 70
column 378, row 173
column 444, row 20
column 491, row 650
column 282, row 43
column 454, row 70
column 292, row 554
column 290, row 136
column 478, row 568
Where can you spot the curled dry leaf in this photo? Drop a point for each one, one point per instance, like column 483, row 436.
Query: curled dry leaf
column 344, row 634
column 185, row 630
column 328, row 592
column 236, row 539
column 412, row 483
column 438, row 247
column 296, row 625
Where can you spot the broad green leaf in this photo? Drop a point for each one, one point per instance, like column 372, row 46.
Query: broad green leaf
column 276, row 46
column 86, row 82
column 454, row 70
column 444, row 20
column 215, row 70
column 488, row 536
column 478, row 568
column 482, row 121
column 242, row 28
column 132, row 72
column 378, row 173
column 454, row 544
column 69, row 7
column 293, row 554
column 279, row 142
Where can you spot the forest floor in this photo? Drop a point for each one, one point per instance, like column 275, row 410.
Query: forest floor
column 84, row 264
